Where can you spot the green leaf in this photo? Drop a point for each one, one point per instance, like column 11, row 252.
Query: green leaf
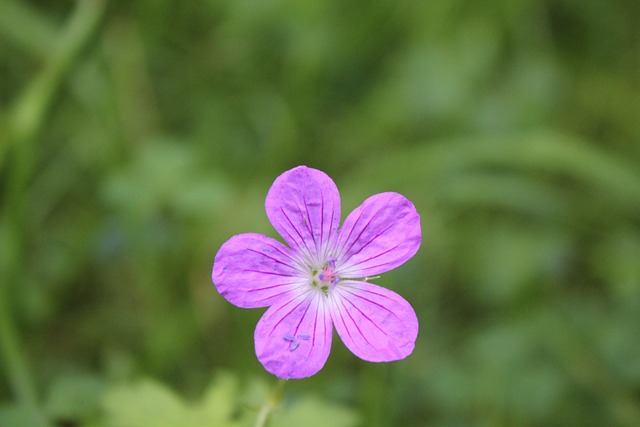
column 149, row 403
column 313, row 412
column 20, row 415
column 74, row 398
column 145, row 403
column 219, row 403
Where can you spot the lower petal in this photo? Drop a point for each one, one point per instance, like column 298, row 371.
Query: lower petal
column 376, row 324
column 293, row 339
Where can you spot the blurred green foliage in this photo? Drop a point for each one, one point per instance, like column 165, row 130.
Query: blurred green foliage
column 137, row 136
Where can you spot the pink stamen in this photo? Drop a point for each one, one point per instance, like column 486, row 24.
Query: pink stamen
column 328, row 273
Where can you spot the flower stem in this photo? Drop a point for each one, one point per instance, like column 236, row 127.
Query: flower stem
column 273, row 400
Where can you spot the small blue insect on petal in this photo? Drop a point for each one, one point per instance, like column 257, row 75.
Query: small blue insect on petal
column 289, row 337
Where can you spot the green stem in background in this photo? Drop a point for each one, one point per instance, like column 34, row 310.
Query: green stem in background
column 30, row 111
column 17, row 369
column 23, row 26
column 273, row 400
column 24, row 122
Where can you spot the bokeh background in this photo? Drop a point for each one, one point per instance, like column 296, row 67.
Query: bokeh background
column 137, row 136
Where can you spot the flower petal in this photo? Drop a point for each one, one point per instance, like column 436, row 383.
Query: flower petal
column 303, row 204
column 251, row 270
column 293, row 338
column 379, row 235
column 375, row 323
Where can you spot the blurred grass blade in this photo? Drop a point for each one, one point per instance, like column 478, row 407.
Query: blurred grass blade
column 24, row 122
column 30, row 109
column 26, row 28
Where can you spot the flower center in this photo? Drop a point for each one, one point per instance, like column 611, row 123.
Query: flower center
column 327, row 278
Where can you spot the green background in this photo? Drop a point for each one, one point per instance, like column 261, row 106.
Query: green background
column 137, row 136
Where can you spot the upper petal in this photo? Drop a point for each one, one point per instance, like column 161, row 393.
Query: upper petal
column 251, row 270
column 303, row 204
column 379, row 235
column 375, row 323
column 293, row 338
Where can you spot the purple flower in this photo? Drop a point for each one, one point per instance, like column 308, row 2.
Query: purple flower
column 321, row 279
